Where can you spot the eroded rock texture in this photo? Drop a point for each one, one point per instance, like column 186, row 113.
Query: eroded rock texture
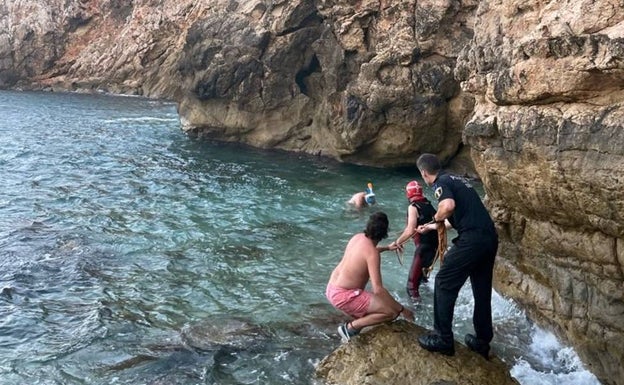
column 377, row 356
column 548, row 141
column 533, row 87
column 361, row 81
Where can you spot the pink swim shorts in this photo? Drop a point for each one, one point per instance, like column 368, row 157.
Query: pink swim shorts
column 354, row 302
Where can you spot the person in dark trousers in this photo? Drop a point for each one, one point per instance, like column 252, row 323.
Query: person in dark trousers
column 419, row 212
column 471, row 256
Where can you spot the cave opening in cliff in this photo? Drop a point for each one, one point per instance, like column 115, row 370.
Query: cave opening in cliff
column 302, row 75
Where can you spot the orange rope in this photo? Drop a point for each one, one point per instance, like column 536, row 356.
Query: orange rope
column 442, row 242
column 400, row 253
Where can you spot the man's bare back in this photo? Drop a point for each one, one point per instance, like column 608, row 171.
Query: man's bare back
column 352, row 271
column 360, row 264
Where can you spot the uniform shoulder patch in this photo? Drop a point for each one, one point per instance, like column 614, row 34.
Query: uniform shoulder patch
column 438, row 192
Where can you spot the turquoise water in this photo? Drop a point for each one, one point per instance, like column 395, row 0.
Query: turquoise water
column 118, row 233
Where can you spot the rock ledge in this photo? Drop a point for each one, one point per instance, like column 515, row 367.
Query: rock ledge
column 389, row 354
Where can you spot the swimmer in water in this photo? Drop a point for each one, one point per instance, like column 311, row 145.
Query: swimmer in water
column 364, row 198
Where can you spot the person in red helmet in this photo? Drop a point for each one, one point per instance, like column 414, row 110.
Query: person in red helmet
column 419, row 212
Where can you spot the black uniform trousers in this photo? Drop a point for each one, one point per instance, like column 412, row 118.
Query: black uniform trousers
column 472, row 255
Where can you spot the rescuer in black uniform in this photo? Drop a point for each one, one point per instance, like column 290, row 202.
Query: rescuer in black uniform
column 471, row 255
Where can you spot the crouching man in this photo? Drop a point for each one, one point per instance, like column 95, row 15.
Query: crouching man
column 360, row 264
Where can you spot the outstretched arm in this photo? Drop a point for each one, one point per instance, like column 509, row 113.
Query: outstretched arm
column 445, row 210
column 410, row 226
column 390, row 247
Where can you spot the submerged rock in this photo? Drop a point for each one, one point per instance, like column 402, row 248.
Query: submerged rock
column 390, row 354
column 213, row 333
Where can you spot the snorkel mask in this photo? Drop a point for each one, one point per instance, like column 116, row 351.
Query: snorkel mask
column 370, row 195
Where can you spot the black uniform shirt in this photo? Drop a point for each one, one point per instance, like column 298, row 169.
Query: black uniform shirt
column 470, row 214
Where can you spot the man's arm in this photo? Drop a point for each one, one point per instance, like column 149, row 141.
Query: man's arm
column 410, row 226
column 374, row 269
column 390, row 247
column 445, row 209
column 373, row 259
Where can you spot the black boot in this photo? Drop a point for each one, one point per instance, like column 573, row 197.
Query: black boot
column 477, row 345
column 434, row 343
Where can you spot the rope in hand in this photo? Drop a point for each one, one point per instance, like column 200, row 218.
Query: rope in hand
column 400, row 253
column 442, row 242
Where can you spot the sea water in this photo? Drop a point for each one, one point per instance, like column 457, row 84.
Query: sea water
column 118, row 232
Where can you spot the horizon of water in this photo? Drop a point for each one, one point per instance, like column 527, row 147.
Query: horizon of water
column 118, row 232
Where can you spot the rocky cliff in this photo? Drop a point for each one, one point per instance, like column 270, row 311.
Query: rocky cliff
column 367, row 82
column 531, row 89
column 548, row 140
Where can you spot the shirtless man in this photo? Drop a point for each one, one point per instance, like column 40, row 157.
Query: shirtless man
column 360, row 264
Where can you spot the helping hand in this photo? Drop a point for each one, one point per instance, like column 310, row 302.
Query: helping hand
column 395, row 246
column 427, row 227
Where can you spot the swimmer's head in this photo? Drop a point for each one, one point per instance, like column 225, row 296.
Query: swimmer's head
column 370, row 195
column 414, row 192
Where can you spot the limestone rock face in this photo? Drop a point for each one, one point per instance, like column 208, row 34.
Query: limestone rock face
column 547, row 138
column 361, row 81
column 390, row 354
column 117, row 46
column 533, row 89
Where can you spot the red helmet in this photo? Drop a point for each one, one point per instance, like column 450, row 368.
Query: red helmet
column 413, row 191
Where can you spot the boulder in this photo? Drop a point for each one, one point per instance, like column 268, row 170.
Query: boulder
column 390, row 354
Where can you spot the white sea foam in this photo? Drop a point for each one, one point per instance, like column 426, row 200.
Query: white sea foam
column 526, row 374
column 546, row 360
column 560, row 365
column 140, row 119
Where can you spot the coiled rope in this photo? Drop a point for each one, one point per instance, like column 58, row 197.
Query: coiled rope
column 442, row 247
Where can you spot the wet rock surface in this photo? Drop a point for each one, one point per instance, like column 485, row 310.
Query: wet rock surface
column 390, row 354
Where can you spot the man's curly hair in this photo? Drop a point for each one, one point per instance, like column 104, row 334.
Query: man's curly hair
column 377, row 226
